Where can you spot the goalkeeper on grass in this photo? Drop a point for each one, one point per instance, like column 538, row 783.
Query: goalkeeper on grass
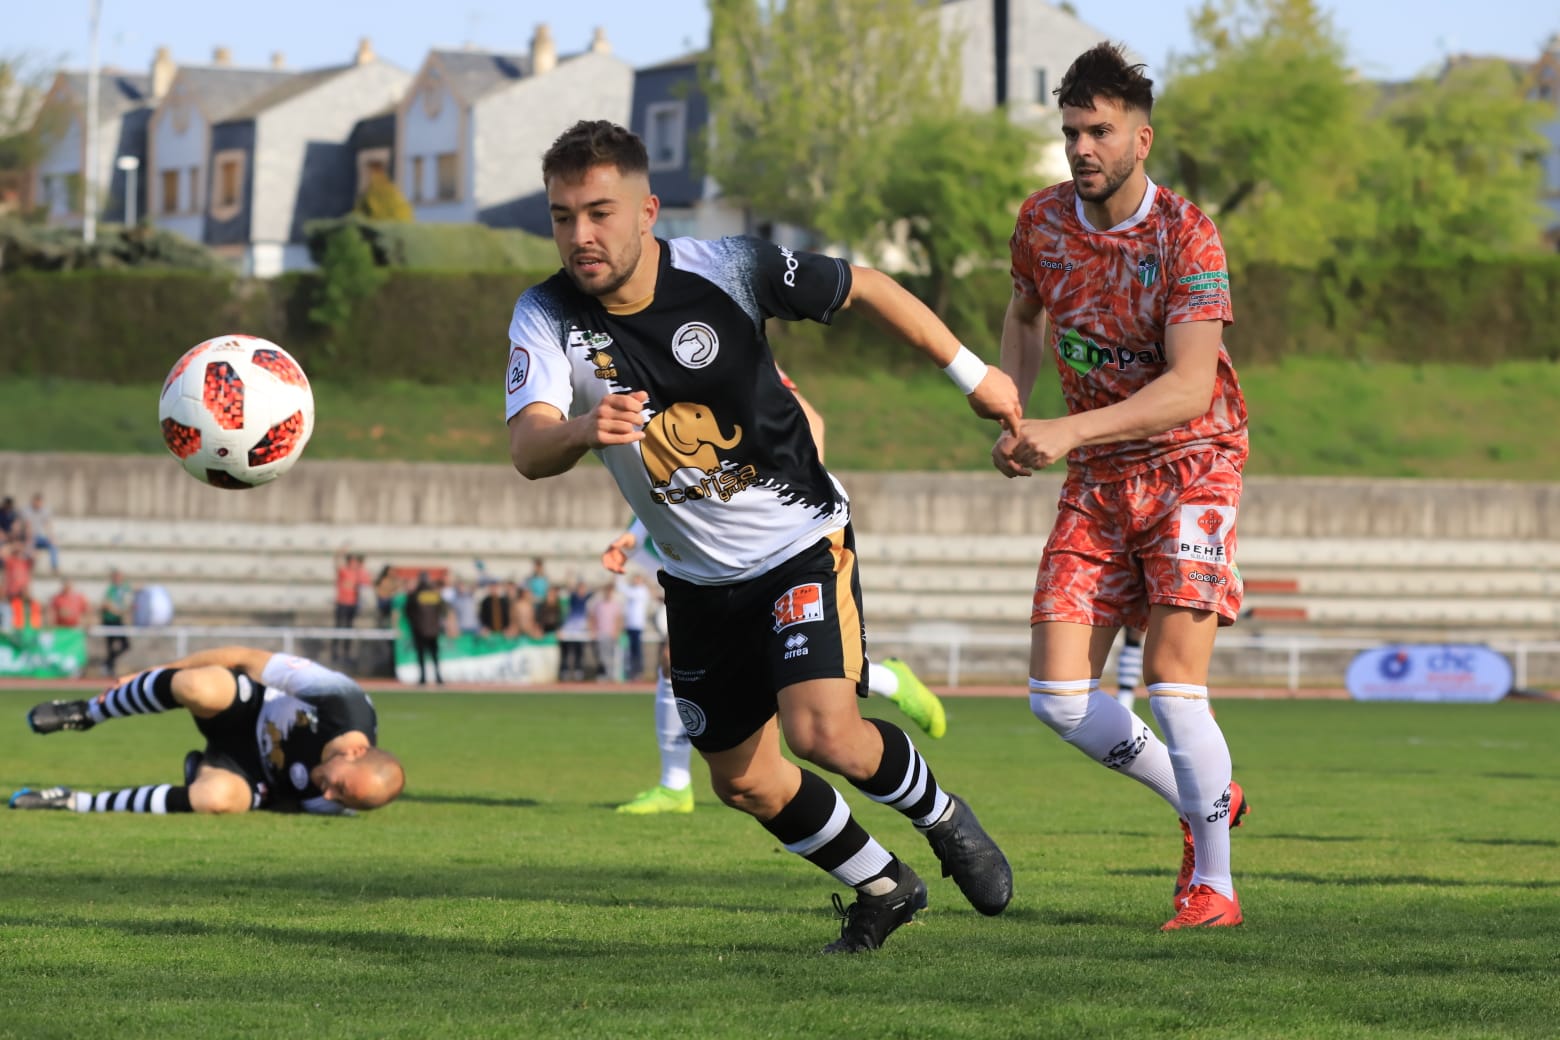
column 282, row 733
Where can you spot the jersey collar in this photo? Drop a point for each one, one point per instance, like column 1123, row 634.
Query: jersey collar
column 1132, row 221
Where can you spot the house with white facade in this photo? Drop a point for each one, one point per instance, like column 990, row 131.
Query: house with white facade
column 59, row 179
column 473, row 126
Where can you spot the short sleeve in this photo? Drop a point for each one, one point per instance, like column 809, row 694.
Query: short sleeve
column 792, row 284
column 1199, row 276
column 538, row 368
column 1021, row 270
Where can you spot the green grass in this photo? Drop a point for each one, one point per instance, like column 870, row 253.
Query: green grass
column 1309, row 417
column 1397, row 874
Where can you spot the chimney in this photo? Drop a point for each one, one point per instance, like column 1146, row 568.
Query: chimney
column 163, row 70
column 598, row 42
column 365, row 52
column 278, row 60
column 544, row 53
column 221, row 57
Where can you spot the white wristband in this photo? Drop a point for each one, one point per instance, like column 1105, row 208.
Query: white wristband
column 966, row 370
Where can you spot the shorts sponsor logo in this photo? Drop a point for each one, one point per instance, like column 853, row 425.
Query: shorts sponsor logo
column 695, row 345
column 1202, row 532
column 795, row 646
column 799, row 605
column 693, row 718
column 519, row 368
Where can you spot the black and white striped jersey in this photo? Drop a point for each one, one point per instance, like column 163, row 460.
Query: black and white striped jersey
column 727, row 480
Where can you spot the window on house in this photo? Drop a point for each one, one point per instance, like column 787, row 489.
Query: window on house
column 228, row 189
column 665, row 133
column 169, row 194
column 194, row 199
column 417, row 179
column 372, row 162
column 446, row 174
column 1041, row 94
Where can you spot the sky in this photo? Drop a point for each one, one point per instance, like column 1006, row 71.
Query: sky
column 1384, row 42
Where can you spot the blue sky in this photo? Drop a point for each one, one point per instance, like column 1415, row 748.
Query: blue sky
column 1383, row 43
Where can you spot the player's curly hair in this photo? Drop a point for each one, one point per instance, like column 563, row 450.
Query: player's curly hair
column 1103, row 71
column 594, row 142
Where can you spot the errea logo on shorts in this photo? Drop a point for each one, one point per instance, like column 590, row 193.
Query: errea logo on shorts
column 1202, row 533
column 800, row 604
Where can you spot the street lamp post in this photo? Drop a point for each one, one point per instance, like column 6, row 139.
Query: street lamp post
column 129, row 164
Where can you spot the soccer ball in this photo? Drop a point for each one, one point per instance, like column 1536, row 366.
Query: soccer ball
column 236, row 411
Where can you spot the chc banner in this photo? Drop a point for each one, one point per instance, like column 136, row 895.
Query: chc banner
column 1434, row 672
column 43, row 653
column 475, row 658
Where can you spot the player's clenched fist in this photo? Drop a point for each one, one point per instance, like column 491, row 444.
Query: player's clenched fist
column 618, row 419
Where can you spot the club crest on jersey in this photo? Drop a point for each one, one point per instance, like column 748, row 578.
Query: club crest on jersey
column 800, row 604
column 1148, row 270
column 695, row 345
column 684, row 436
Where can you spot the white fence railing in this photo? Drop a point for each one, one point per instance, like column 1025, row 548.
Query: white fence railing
column 1292, row 662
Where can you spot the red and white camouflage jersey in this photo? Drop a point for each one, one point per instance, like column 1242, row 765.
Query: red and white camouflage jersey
column 1110, row 295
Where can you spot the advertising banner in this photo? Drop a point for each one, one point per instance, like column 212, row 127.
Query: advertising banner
column 1431, row 672
column 476, row 658
column 43, row 653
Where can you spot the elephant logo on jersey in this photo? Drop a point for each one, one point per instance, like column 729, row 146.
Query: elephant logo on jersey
column 605, row 369
column 695, row 345
column 684, row 435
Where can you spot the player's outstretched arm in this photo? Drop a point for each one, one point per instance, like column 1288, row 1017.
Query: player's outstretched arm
column 542, row 443
column 990, row 391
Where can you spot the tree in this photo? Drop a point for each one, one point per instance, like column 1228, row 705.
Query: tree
column 28, row 128
column 807, row 98
column 1263, row 127
column 1457, row 175
column 382, row 200
column 956, row 182
column 348, row 275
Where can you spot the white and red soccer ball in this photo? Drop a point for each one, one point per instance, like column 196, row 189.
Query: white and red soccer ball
column 236, row 411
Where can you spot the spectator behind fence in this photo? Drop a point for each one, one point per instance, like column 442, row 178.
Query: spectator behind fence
column 386, row 587
column 463, row 608
column 9, row 518
column 574, row 633
column 40, row 529
column 68, row 608
column 636, row 611
column 18, row 567
column 606, row 626
column 115, row 610
column 425, row 610
column 351, row 576
column 495, row 612
column 538, row 583
column 549, row 611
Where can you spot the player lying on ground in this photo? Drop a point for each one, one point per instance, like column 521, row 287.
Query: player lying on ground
column 282, row 733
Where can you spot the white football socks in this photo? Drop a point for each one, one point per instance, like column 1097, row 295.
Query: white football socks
column 1105, row 731
column 676, row 748
column 1201, row 760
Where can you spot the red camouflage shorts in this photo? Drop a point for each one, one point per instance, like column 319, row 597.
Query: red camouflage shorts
column 1166, row 536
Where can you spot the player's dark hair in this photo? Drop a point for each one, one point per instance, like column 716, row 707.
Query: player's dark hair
column 1103, row 71
column 594, row 142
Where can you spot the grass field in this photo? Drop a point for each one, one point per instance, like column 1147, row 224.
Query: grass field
column 1309, row 417
column 1398, row 875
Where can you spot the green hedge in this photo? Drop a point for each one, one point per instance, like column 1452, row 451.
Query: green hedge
column 438, row 327
column 440, row 247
